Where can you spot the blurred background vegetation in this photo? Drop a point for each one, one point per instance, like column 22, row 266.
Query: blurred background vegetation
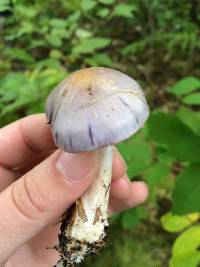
column 157, row 43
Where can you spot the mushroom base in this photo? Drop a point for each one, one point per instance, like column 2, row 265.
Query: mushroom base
column 72, row 250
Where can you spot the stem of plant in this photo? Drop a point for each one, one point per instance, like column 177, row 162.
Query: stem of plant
column 83, row 231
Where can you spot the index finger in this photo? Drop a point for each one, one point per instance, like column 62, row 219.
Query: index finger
column 23, row 140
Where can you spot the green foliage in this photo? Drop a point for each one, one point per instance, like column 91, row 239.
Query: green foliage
column 131, row 246
column 192, row 99
column 4, row 5
column 185, row 250
column 156, row 42
column 137, row 154
column 132, row 217
column 107, row 2
column 190, row 118
column 124, row 10
column 187, row 190
column 89, row 45
column 176, row 223
column 157, row 173
column 185, row 86
column 180, row 140
column 100, row 59
column 22, row 90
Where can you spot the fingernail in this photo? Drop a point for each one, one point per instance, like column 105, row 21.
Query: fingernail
column 75, row 167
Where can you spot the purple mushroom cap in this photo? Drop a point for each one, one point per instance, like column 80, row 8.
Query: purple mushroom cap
column 95, row 107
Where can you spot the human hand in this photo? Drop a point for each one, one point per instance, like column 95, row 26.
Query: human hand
column 38, row 183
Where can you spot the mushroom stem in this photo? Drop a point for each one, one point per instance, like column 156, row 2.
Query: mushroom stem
column 83, row 231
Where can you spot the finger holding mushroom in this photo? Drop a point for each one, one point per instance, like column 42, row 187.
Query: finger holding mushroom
column 93, row 109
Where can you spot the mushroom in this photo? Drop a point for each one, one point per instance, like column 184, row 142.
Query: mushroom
column 92, row 109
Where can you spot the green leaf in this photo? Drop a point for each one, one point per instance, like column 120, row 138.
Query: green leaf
column 20, row 54
column 60, row 32
column 124, row 10
column 9, row 95
column 87, row 5
column 27, row 11
column 130, row 219
column 100, row 60
column 187, row 191
column 81, row 33
column 134, row 48
column 137, row 156
column 164, row 156
column 190, row 118
column 90, row 45
column 33, row 108
column 185, row 86
column 50, row 76
column 58, row 23
column 56, row 54
column 37, row 43
column 54, row 40
column 26, row 93
column 50, row 63
column 186, row 259
column 16, row 105
column 185, row 249
column 156, row 174
column 13, row 82
column 192, row 99
column 198, row 114
column 188, row 241
column 103, row 12
column 4, row 5
column 25, row 28
column 169, row 130
column 175, row 223
column 107, row 2
column 73, row 18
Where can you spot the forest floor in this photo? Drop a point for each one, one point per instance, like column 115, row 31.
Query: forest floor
column 147, row 245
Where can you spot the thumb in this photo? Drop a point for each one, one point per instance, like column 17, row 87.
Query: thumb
column 41, row 196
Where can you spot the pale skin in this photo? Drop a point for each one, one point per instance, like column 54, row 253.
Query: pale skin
column 35, row 190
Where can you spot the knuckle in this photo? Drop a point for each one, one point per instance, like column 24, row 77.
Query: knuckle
column 28, row 199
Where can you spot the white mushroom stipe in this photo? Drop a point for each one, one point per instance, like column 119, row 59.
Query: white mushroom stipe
column 60, row 264
column 90, row 226
column 93, row 109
